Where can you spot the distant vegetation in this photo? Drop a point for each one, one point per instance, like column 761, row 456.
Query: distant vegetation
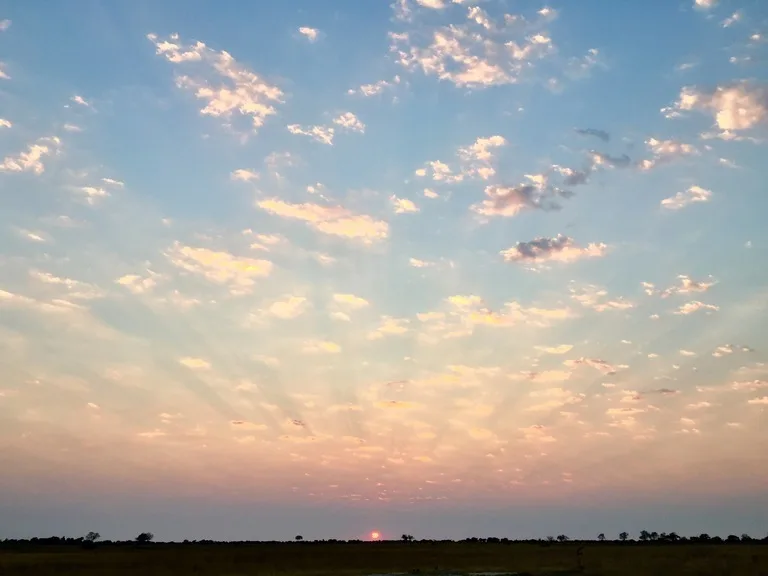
column 648, row 554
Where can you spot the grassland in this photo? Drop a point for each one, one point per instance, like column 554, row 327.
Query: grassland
column 348, row 559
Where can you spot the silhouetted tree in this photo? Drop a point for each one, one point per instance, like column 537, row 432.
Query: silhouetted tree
column 550, row 538
column 645, row 535
column 732, row 538
column 562, row 538
column 704, row 538
column 623, row 536
column 601, row 537
column 145, row 537
column 746, row 538
column 673, row 537
column 92, row 536
column 406, row 538
column 299, row 538
column 654, row 535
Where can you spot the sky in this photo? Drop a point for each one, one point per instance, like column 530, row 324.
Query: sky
column 442, row 267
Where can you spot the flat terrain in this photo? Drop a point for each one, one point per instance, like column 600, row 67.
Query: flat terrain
column 425, row 558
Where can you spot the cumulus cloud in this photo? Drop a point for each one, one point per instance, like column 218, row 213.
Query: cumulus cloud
column 472, row 311
column 558, row 249
column 239, row 272
column 80, row 101
column 389, row 327
column 320, row 347
column 403, row 205
column 350, row 301
column 509, row 201
column 478, row 54
column 665, row 151
column 695, row 306
column 599, row 365
column 194, row 363
column 687, row 285
column 322, row 134
column 597, row 299
column 332, row 220
column 705, row 4
column 31, row 160
column 137, row 284
column 375, row 88
column 291, row 307
column 350, row 122
column 736, row 106
column 224, row 86
column 477, row 157
column 5, row 123
column 311, row 34
column 244, row 175
column 682, row 199
column 561, row 349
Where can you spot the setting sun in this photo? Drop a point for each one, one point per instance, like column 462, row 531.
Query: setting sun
column 375, row 535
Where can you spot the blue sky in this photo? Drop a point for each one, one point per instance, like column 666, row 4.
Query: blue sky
column 361, row 265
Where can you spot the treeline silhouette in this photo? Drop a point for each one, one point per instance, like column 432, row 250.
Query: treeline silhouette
column 93, row 539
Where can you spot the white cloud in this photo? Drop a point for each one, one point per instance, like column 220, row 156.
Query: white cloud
column 763, row 400
column 72, row 128
column 137, row 284
column 732, row 19
column 461, row 55
column 695, row 306
column 332, row 220
column 349, row 121
column 389, row 327
column 92, row 194
column 322, row 134
column 244, row 175
column 705, row 4
column 558, row 249
column 691, row 195
column 194, row 363
column 736, row 106
column 374, row 88
column 430, row 193
column 665, row 151
column 561, row 349
column 225, row 86
column 4, row 25
column 320, row 347
column 403, row 205
column 350, row 301
column 79, row 100
column 32, row 159
column 688, row 286
column 311, row 34
column 291, row 307
column 5, row 123
column 221, row 267
column 416, row 263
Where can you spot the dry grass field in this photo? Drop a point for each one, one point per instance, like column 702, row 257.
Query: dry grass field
column 424, row 558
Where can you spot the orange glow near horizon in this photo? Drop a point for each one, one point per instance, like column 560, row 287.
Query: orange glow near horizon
column 375, row 535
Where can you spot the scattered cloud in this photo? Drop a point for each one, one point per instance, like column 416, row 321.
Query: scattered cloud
column 332, row 220
column 695, row 306
column 32, row 159
column 80, row 101
column 239, row 272
column 320, row 347
column 226, row 87
column 403, row 205
column 349, row 121
column 322, row 134
column 601, row 134
column 687, row 285
column 691, row 195
column 389, row 327
column 705, row 4
column 375, row 88
column 350, row 301
column 291, row 307
column 558, row 249
column 311, row 34
column 736, row 106
column 195, row 363
column 244, row 175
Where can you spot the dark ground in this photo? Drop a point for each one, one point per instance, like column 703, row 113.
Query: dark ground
column 341, row 559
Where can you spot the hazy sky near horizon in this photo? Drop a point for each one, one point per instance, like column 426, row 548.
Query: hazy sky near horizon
column 443, row 267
